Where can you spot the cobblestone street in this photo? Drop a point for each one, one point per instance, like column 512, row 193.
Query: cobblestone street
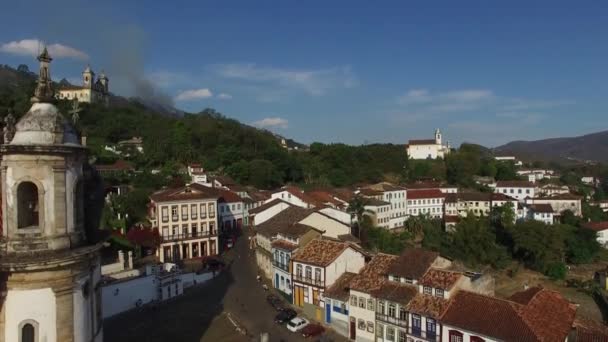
column 201, row 314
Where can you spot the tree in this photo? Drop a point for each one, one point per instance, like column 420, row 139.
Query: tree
column 474, row 243
column 538, row 245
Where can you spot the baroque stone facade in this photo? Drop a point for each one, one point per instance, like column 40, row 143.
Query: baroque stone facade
column 49, row 268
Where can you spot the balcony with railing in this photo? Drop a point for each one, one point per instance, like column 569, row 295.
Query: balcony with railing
column 308, row 280
column 426, row 335
column 187, row 236
column 391, row 320
column 283, row 266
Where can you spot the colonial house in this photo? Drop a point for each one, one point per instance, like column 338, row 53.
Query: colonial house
column 337, row 304
column 253, row 199
column 187, row 221
column 535, row 175
column 267, row 232
column 601, row 204
column 519, row 190
column 432, row 185
column 197, row 174
column 560, row 203
column 601, row 230
column 552, row 189
column 293, row 195
column 509, row 159
column 379, row 212
column 316, row 267
column 540, row 212
column 231, row 209
column 93, row 90
column 425, row 202
column 535, row 314
column 463, row 203
column 285, row 244
column 397, row 197
column 362, row 308
column 266, row 211
column 428, row 148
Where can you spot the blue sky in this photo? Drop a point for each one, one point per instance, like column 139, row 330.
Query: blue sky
column 342, row 71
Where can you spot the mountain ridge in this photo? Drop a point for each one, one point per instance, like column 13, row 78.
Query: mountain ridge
column 591, row 147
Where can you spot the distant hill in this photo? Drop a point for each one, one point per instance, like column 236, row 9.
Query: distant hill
column 590, row 147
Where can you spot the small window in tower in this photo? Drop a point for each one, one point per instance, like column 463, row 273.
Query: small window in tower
column 27, row 205
column 28, row 331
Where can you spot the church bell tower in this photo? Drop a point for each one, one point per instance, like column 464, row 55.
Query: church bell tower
column 49, row 268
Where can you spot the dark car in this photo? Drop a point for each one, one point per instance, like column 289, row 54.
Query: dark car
column 312, row 330
column 285, row 316
column 275, row 302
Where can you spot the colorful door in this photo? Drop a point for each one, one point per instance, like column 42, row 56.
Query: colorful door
column 298, row 296
column 319, row 315
column 328, row 312
column 353, row 328
column 276, row 280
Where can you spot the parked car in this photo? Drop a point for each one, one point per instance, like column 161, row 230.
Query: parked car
column 312, row 330
column 296, row 324
column 285, row 316
column 275, row 302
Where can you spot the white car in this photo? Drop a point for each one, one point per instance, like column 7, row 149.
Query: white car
column 297, row 324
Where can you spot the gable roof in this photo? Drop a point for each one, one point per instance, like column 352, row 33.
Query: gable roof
column 373, row 275
column 427, row 193
column 427, row 305
column 396, row 292
column 340, row 289
column 422, row 142
column 541, row 208
column 189, row 192
column 488, row 316
column 413, row 263
column 267, row 205
column 440, row 278
column 320, row 252
column 538, row 315
column 514, row 184
column 597, row 226
column 282, row 221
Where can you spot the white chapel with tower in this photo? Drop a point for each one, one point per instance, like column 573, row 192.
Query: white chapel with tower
column 50, row 279
column 93, row 90
column 428, row 148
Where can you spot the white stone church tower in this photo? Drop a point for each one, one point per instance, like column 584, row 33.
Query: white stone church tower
column 49, row 268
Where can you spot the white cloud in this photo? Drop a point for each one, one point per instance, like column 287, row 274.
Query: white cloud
column 224, row 96
column 314, row 82
column 194, row 94
column 32, row 47
column 450, row 101
column 273, row 122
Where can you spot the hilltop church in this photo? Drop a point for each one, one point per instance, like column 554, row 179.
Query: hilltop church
column 428, row 148
column 92, row 90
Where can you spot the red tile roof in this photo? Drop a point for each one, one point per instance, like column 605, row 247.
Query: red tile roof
column 320, row 252
column 421, row 194
column 427, row 305
column 340, row 289
column 119, row 165
column 440, row 278
column 374, row 274
column 422, row 142
column 541, row 208
column 589, row 331
column 413, row 263
column 549, row 315
column 597, row 226
column 538, row 315
column 488, row 316
column 189, row 192
column 284, row 245
column 514, row 184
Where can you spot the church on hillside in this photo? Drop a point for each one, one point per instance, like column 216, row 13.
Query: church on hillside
column 92, row 90
column 428, row 148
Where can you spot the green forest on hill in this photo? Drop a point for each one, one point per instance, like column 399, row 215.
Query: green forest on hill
column 250, row 155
